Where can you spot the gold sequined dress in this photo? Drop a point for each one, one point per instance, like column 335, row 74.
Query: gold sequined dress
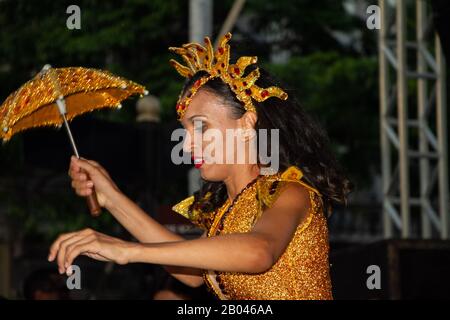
column 301, row 272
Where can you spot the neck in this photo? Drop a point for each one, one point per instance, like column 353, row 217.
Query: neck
column 239, row 178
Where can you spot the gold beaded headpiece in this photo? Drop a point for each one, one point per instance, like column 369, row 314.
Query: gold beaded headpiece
column 201, row 58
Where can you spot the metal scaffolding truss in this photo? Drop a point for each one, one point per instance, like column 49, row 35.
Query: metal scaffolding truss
column 413, row 144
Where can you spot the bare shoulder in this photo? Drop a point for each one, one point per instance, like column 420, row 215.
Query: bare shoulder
column 293, row 194
column 294, row 199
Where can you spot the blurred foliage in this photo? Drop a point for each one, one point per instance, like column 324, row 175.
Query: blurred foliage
column 341, row 92
column 130, row 38
column 303, row 27
column 41, row 216
column 121, row 36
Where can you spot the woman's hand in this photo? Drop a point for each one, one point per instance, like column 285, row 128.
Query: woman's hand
column 98, row 178
column 90, row 243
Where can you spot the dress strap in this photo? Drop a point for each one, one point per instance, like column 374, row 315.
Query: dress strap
column 187, row 209
column 295, row 174
column 182, row 207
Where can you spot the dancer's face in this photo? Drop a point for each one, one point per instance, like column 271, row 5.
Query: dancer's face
column 206, row 121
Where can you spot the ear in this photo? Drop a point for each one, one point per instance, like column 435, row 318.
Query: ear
column 247, row 124
column 248, row 120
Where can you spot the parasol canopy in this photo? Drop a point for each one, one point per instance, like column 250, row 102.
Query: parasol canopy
column 35, row 103
column 57, row 95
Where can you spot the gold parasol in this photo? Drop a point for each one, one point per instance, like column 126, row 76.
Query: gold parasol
column 56, row 95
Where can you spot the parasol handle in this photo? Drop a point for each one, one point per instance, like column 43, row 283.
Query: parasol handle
column 91, row 200
column 93, row 205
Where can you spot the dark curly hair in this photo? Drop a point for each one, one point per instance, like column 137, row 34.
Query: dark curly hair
column 302, row 142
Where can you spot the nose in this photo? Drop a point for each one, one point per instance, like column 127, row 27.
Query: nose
column 192, row 146
column 187, row 142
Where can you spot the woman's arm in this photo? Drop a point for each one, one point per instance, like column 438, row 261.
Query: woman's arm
column 246, row 252
column 147, row 230
column 251, row 252
column 143, row 227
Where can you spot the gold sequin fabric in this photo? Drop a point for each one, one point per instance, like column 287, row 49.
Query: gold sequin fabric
column 301, row 272
column 33, row 104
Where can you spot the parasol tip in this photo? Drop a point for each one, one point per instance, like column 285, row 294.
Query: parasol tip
column 145, row 92
column 46, row 67
column 119, row 106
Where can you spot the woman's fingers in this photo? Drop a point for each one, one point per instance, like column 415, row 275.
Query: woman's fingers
column 79, row 185
column 55, row 246
column 85, row 165
column 77, row 164
column 85, row 192
column 87, row 242
column 92, row 162
column 86, row 246
column 73, row 163
column 62, row 251
column 80, row 181
column 91, row 175
column 97, row 165
column 73, row 169
column 69, row 254
column 83, row 188
column 60, row 247
column 80, row 176
column 61, row 258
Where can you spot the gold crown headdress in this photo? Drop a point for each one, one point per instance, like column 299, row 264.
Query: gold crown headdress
column 200, row 58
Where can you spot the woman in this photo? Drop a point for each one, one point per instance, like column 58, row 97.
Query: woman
column 265, row 235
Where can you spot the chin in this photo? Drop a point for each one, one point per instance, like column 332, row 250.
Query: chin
column 212, row 172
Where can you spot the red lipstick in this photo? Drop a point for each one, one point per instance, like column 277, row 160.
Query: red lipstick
column 198, row 162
